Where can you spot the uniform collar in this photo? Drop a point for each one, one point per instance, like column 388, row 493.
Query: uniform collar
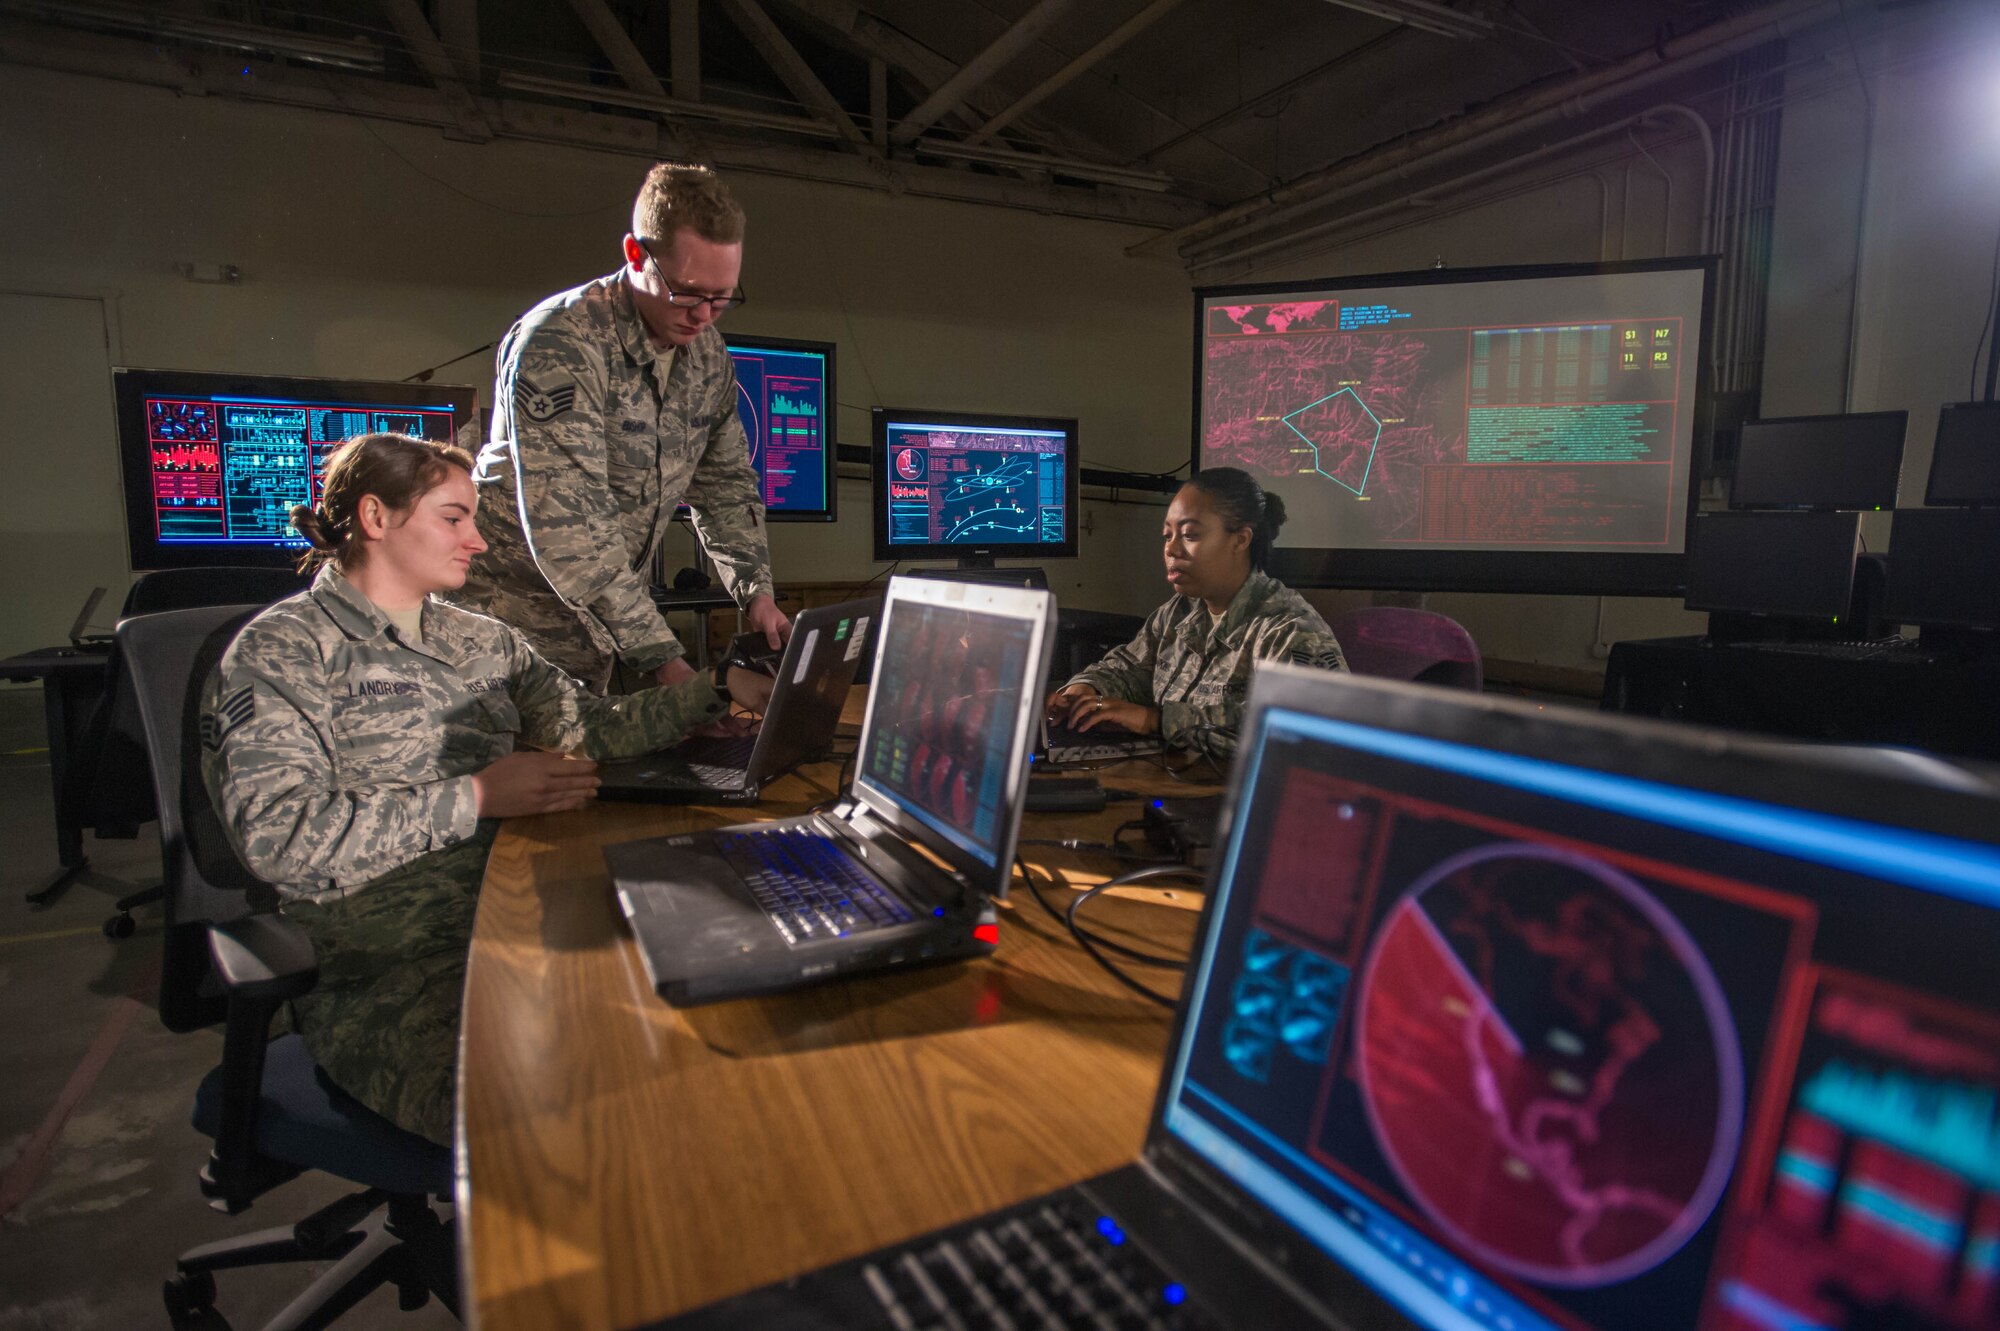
column 625, row 318
column 1243, row 607
column 360, row 619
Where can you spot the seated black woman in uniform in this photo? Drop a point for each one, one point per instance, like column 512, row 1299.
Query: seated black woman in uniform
column 1187, row 675
column 361, row 739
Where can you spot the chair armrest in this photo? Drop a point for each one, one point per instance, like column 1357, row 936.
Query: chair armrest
column 263, row 957
column 263, row 961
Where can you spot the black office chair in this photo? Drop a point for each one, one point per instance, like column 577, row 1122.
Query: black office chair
column 273, row 1115
column 107, row 784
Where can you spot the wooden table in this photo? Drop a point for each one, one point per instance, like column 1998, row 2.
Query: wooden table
column 620, row 1161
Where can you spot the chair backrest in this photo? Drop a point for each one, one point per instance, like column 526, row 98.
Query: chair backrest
column 1396, row 642
column 168, row 658
column 108, row 787
column 187, row 588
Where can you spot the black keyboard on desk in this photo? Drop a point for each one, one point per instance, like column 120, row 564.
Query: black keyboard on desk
column 807, row 886
column 1055, row 1264
column 1879, row 649
column 1105, row 744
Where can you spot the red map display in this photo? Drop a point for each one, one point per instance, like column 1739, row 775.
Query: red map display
column 1459, row 417
column 1548, row 1064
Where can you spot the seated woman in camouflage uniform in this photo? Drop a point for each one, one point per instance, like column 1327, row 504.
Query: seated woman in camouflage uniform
column 1187, row 674
column 361, row 738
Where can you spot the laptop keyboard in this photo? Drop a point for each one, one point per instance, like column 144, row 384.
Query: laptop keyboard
column 1055, row 1266
column 808, row 887
column 1086, row 746
column 719, row 752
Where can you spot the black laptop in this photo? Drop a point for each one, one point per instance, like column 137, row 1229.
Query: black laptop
column 813, row 677
column 1500, row 1020
column 940, row 780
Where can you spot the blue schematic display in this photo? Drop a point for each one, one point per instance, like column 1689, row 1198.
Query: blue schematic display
column 781, row 398
column 228, row 470
column 956, row 485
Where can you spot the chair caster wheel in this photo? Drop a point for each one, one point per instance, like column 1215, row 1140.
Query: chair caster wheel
column 120, row 926
column 190, row 1298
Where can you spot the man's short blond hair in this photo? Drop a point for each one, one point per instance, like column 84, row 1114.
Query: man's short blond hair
column 683, row 194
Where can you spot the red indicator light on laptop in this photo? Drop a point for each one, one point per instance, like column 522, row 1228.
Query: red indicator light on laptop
column 988, row 934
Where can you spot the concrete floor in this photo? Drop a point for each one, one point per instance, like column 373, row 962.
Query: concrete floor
column 110, row 1197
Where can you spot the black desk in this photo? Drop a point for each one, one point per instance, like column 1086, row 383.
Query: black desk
column 72, row 682
column 1942, row 705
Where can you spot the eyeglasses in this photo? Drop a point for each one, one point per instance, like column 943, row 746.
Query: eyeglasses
column 687, row 300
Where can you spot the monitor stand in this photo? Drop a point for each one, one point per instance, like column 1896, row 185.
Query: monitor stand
column 981, row 568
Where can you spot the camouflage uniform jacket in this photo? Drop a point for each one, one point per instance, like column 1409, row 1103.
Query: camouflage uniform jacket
column 336, row 753
column 1199, row 678
column 597, row 437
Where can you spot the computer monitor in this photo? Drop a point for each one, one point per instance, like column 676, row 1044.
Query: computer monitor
column 1505, row 1019
column 952, row 707
column 1965, row 463
column 1529, row 429
column 1942, row 568
column 786, row 398
column 1785, row 565
column 214, row 462
column 973, row 487
column 1824, row 462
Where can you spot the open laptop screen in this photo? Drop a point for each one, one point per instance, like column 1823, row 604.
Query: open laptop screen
column 1528, row 1046
column 949, row 687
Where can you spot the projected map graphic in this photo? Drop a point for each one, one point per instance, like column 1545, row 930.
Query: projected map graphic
column 1412, row 416
column 975, row 487
column 1548, row 1064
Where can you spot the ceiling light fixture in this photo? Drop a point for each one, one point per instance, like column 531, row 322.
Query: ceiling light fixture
column 1431, row 17
column 1130, row 178
column 666, row 106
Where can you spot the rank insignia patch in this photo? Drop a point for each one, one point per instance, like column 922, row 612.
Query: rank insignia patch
column 543, row 404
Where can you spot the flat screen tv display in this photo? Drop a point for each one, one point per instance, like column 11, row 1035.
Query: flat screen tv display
column 1499, row 429
column 213, row 462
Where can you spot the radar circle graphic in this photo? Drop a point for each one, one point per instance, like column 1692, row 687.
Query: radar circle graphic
column 1548, row 1064
column 911, row 464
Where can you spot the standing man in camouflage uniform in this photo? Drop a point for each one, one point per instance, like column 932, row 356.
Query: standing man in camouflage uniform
column 1186, row 677
column 359, row 742
column 615, row 403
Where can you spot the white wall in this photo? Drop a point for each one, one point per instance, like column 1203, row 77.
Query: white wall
column 357, row 265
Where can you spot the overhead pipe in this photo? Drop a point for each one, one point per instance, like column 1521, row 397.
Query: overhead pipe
column 1502, row 122
column 1421, row 198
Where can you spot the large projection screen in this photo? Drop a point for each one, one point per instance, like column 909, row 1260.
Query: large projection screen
column 1499, row 429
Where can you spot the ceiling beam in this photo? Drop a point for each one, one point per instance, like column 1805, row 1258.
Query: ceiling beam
column 982, row 67
column 458, row 29
column 618, row 47
column 684, row 48
column 790, row 66
column 1068, row 74
column 137, row 60
column 437, row 65
column 1440, row 19
column 1244, row 108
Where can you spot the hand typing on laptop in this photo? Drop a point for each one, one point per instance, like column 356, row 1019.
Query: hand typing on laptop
column 1082, row 707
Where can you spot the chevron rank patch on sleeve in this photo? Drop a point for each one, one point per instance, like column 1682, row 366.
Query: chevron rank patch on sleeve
column 230, row 713
column 542, row 404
